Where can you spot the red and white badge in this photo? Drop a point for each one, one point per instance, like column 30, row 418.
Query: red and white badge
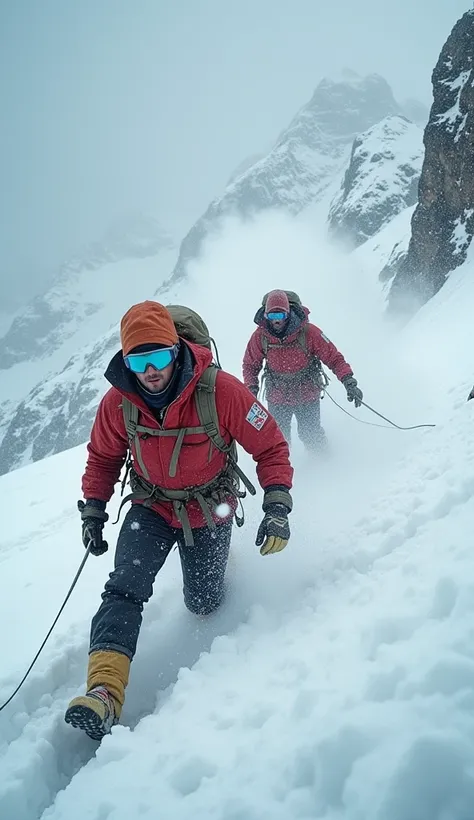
column 256, row 416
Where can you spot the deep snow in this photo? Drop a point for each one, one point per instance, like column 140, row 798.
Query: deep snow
column 337, row 680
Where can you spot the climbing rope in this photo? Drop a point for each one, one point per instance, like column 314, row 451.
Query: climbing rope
column 76, row 578
column 374, row 424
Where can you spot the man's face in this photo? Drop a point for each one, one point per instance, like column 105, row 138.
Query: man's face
column 277, row 319
column 277, row 324
column 153, row 368
column 155, row 380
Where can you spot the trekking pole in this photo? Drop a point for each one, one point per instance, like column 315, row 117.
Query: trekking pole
column 372, row 424
column 76, row 578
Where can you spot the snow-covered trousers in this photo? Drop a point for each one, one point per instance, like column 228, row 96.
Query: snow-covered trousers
column 308, row 419
column 145, row 541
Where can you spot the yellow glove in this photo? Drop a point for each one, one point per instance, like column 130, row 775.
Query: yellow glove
column 274, row 531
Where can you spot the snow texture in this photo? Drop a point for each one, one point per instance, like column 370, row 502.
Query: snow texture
column 304, row 159
column 381, row 180
column 461, row 238
column 49, row 396
column 454, row 120
column 85, row 291
column 336, row 682
column 384, row 252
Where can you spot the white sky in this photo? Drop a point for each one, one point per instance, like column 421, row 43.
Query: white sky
column 111, row 104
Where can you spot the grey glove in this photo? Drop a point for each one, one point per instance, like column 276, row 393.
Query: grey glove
column 354, row 393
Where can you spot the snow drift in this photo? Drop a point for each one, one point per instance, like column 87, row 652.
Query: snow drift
column 336, row 681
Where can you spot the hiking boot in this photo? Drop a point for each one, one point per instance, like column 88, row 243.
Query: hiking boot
column 95, row 713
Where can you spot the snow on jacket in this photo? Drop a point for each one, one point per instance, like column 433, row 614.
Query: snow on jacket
column 240, row 417
column 289, row 357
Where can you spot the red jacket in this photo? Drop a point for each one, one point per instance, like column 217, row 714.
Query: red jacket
column 290, row 357
column 108, row 444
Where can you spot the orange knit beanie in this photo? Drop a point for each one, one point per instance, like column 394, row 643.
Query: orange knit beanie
column 147, row 323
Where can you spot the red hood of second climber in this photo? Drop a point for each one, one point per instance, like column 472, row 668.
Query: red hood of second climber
column 299, row 317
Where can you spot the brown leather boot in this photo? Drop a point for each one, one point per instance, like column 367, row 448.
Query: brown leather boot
column 99, row 709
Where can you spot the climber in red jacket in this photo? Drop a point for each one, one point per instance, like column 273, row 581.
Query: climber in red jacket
column 179, row 418
column 293, row 350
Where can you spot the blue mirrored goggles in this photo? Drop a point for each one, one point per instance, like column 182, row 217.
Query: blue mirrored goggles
column 276, row 315
column 159, row 359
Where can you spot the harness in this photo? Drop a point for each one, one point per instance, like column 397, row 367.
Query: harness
column 312, row 371
column 208, row 495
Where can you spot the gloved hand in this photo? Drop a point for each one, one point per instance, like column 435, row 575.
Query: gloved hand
column 471, row 394
column 93, row 519
column 354, row 393
column 274, row 531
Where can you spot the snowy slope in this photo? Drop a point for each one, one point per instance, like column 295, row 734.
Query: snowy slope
column 305, row 158
column 380, row 182
column 383, row 252
column 85, row 293
column 336, row 682
column 45, row 396
column 58, row 411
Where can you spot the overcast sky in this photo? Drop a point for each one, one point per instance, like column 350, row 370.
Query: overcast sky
column 116, row 104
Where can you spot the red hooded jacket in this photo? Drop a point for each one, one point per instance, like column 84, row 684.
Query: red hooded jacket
column 290, row 357
column 241, row 418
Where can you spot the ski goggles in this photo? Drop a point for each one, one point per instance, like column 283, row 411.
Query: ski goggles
column 276, row 315
column 159, row 359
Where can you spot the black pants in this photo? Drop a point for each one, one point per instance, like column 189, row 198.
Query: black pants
column 308, row 418
column 144, row 543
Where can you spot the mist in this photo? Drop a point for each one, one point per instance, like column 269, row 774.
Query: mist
column 110, row 106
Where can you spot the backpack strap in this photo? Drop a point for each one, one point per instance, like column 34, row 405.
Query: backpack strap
column 130, row 420
column 205, row 397
column 130, row 417
column 207, row 412
column 303, row 338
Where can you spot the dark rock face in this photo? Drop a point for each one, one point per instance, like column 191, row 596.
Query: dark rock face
column 304, row 159
column 443, row 222
column 381, row 180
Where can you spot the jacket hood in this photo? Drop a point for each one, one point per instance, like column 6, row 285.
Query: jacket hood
column 298, row 318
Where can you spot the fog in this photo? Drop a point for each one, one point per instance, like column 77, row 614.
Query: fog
column 110, row 105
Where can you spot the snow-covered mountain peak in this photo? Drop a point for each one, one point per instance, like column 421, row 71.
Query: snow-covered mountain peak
column 381, row 180
column 339, row 110
column 306, row 156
